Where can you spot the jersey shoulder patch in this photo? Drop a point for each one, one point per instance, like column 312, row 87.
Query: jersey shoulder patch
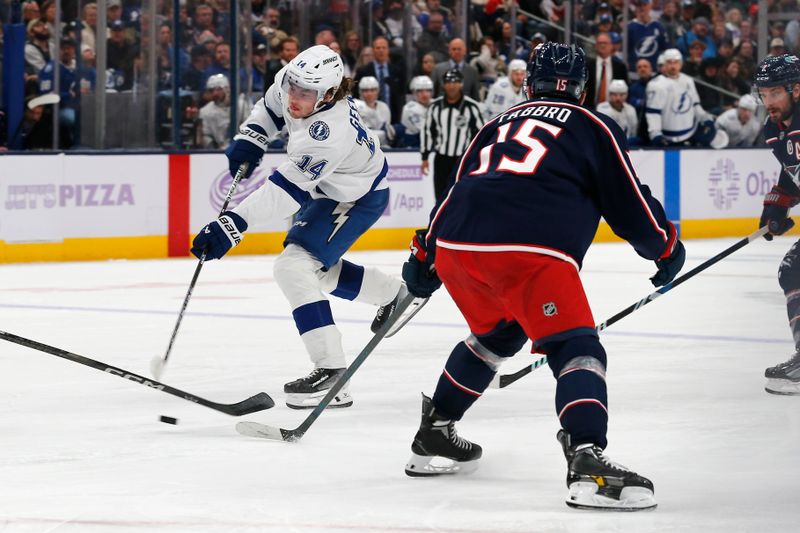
column 319, row 130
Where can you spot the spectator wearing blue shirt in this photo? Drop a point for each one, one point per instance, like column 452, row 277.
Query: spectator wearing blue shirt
column 647, row 38
column 700, row 31
column 67, row 116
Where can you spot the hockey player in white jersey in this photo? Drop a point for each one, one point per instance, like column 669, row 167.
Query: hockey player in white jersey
column 413, row 116
column 674, row 115
column 376, row 115
column 740, row 123
column 334, row 182
column 506, row 91
column 215, row 116
column 619, row 110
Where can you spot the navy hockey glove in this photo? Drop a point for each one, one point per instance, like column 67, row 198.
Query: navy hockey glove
column 776, row 212
column 418, row 271
column 669, row 265
column 219, row 236
column 659, row 140
column 241, row 150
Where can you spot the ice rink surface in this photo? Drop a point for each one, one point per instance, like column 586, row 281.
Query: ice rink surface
column 84, row 452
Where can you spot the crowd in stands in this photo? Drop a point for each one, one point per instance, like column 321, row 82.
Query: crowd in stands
column 712, row 41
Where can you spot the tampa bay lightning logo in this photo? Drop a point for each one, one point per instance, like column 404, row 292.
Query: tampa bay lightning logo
column 647, row 46
column 683, row 105
column 319, row 131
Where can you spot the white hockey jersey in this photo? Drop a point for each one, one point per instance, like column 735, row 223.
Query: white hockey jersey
column 739, row 135
column 626, row 119
column 215, row 120
column 330, row 155
column 413, row 117
column 673, row 108
column 501, row 96
column 377, row 119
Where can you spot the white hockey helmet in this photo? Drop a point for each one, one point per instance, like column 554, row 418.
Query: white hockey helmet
column 218, row 81
column 747, row 102
column 618, row 87
column 672, row 54
column 517, row 64
column 318, row 69
column 421, row 83
column 368, row 82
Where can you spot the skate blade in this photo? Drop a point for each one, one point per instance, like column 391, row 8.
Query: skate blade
column 310, row 401
column 584, row 495
column 422, row 466
column 783, row 387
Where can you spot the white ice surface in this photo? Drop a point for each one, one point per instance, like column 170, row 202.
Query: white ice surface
column 84, row 452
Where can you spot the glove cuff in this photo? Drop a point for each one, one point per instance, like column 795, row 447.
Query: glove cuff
column 254, row 134
column 778, row 196
column 418, row 247
column 233, row 226
column 672, row 240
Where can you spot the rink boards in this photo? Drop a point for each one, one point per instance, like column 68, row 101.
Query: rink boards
column 64, row 207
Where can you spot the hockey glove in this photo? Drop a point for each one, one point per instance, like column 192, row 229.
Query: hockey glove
column 248, row 146
column 219, row 236
column 776, row 212
column 418, row 271
column 668, row 267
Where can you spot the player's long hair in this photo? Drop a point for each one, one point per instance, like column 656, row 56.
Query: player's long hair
column 345, row 89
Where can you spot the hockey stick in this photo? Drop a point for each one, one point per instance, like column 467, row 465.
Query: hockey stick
column 157, row 364
column 254, row 429
column 259, row 402
column 507, row 379
column 416, row 306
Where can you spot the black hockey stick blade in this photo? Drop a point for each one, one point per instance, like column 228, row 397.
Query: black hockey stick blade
column 416, row 305
column 507, row 379
column 253, row 404
column 255, row 429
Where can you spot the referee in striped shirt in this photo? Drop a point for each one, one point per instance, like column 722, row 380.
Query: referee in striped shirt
column 451, row 122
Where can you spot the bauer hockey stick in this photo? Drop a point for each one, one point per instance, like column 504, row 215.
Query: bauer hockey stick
column 157, row 364
column 259, row 402
column 507, row 379
column 254, row 429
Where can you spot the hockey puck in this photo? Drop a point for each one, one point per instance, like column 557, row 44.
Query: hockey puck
column 168, row 420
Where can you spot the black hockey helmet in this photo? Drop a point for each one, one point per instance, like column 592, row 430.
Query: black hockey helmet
column 776, row 71
column 557, row 69
column 453, row 75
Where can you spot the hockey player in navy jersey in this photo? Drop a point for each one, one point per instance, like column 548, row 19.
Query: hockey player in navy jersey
column 777, row 82
column 508, row 242
column 334, row 182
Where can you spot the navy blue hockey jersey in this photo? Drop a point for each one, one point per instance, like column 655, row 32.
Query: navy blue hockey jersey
column 785, row 144
column 539, row 177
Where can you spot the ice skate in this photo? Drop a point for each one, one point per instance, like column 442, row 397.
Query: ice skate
column 597, row 483
column 306, row 392
column 437, row 442
column 386, row 311
column 784, row 378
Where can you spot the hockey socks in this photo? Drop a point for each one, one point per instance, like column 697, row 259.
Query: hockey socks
column 581, row 398
column 463, row 380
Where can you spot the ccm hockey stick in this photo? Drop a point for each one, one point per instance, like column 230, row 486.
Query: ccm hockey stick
column 254, row 429
column 507, row 379
column 157, row 364
column 259, row 402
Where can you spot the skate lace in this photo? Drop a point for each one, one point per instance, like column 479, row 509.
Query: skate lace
column 609, row 463
column 313, row 375
column 455, row 439
column 794, row 360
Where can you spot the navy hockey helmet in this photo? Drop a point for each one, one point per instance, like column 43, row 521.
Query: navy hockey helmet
column 557, row 69
column 776, row 71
